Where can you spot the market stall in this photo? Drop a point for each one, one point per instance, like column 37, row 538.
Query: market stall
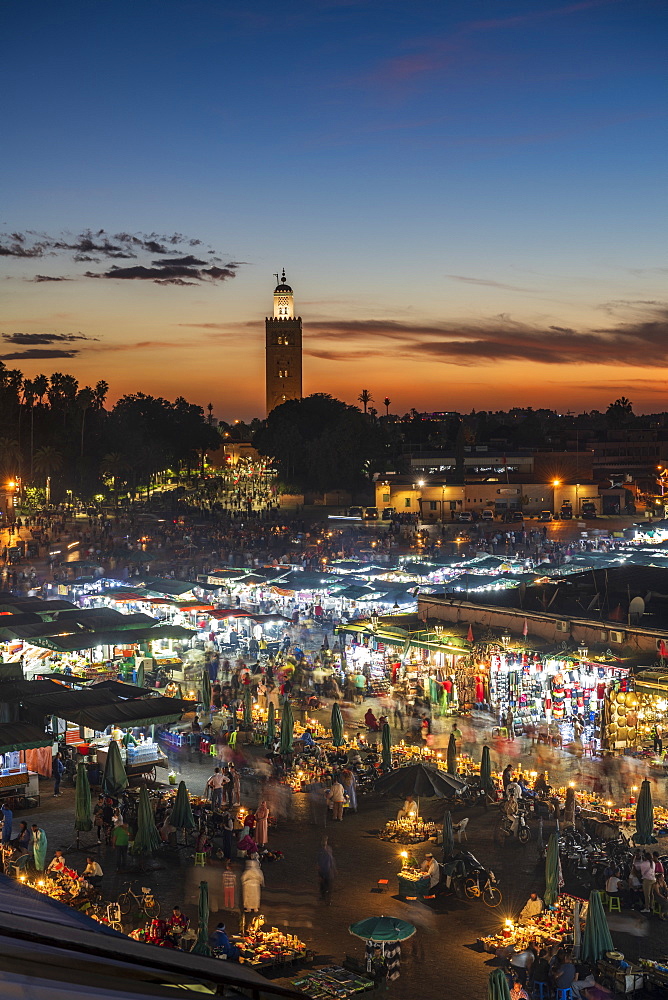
column 25, row 752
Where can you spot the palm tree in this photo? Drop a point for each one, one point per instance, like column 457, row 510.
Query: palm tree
column 85, row 399
column 373, row 412
column 29, row 395
column 10, row 455
column 365, row 398
column 101, row 390
column 113, row 465
column 386, row 404
column 40, row 385
column 47, row 461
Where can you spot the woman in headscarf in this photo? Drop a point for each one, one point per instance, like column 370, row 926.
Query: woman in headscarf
column 262, row 823
column 347, row 779
column 39, row 845
column 252, row 881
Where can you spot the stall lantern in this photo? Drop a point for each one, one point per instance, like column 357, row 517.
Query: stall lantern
column 287, row 728
column 452, row 755
column 386, row 741
column 271, row 726
column 114, row 778
column 596, row 940
column 82, row 805
column 645, row 816
column 337, row 725
column 201, row 945
column 147, row 838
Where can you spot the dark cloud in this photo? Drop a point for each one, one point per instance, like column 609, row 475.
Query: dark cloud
column 188, row 261
column 49, row 277
column 38, row 355
column 168, row 273
column 44, row 338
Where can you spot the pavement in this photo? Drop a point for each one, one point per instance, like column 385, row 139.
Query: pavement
column 444, row 948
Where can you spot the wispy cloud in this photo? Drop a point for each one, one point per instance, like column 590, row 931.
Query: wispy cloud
column 44, row 338
column 486, row 282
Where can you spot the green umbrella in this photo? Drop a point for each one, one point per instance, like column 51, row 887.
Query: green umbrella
column 182, row 815
column 386, row 740
column 596, row 940
column 645, row 816
column 452, row 755
column 248, row 713
column 448, row 835
column 271, row 725
column 206, row 690
column 114, row 778
column 179, row 692
column 147, row 838
column 337, row 725
column 287, row 727
column 140, row 675
column 486, row 780
column 82, row 821
column 201, row 945
column 497, row 986
column 381, row 929
column 552, row 871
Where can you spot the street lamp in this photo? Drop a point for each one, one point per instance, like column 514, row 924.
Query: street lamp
column 582, row 651
column 505, row 638
column 374, row 621
column 438, row 629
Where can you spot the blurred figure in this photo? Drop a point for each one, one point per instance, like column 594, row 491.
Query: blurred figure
column 326, row 866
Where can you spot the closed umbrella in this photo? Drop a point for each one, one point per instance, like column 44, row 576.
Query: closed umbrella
column 382, row 929
column 271, row 725
column 182, row 815
column 287, row 728
column 645, row 816
column 497, row 986
column 201, row 945
column 452, row 755
column 248, row 714
column 140, row 675
column 596, row 940
column 337, row 725
column 386, row 741
column 552, row 871
column 418, row 779
column 114, row 778
column 569, row 808
column 82, row 820
column 147, row 838
column 206, row 690
column 486, row 780
column 448, row 835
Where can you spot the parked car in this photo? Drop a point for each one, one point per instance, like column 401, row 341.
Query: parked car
column 370, row 513
column 355, row 512
column 517, row 515
column 566, row 513
column 545, row 515
column 466, row 516
column 388, row 513
column 488, row 514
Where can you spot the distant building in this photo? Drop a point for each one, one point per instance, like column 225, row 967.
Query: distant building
column 283, row 349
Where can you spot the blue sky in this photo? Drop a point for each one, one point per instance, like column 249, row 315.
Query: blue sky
column 455, row 172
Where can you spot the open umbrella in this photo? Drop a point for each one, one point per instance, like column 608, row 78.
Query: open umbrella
column 418, row 779
column 201, row 945
column 382, row 929
column 452, row 755
column 337, row 725
column 206, row 690
column 552, row 871
column 82, row 821
column 248, row 713
column 140, row 675
column 271, row 725
column 645, row 816
column 448, row 835
column 182, row 815
column 486, row 780
column 386, row 742
column 596, row 940
column 114, row 778
column 287, row 728
column 147, row 838
column 497, row 986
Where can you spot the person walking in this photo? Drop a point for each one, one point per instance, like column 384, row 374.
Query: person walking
column 120, row 838
column 252, row 881
column 326, row 866
column 215, row 784
column 229, row 887
column 648, row 876
column 57, row 769
column 39, row 845
column 262, row 824
column 337, row 796
column 7, row 822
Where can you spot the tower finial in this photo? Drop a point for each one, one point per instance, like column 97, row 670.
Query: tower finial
column 283, row 276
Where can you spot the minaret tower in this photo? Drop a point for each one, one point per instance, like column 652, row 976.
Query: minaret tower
column 283, row 373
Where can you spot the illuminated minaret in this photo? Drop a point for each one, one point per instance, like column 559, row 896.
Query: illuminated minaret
column 283, row 373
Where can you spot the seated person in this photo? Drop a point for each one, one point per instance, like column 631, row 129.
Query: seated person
column 307, row 738
column 370, row 721
column 585, row 978
column 57, row 864
column 221, row 941
column 409, row 809
column 612, row 884
column 432, row 868
column 177, row 923
column 533, row 906
column 92, row 873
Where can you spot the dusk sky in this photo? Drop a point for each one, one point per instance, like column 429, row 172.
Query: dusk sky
column 468, row 197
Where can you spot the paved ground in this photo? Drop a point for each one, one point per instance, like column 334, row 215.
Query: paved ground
column 444, row 948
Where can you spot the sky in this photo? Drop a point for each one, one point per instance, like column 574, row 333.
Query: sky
column 468, row 197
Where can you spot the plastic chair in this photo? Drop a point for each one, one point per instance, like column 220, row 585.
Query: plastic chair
column 200, row 860
column 460, row 829
column 614, row 903
column 541, row 991
column 604, row 896
column 656, row 908
column 564, row 994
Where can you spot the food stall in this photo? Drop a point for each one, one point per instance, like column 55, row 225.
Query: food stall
column 267, row 948
column 25, row 752
column 142, row 759
column 549, row 928
column 408, row 830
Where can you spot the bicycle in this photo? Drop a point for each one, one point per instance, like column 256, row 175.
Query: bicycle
column 145, row 901
column 483, row 884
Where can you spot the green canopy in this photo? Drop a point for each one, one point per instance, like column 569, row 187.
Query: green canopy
column 206, row 690
column 497, row 986
column 114, row 779
column 552, row 871
column 201, row 945
column 386, row 741
column 82, row 821
column 596, row 940
column 486, row 780
column 448, row 835
column 452, row 755
column 287, row 728
column 140, row 675
column 248, row 713
column 337, row 725
column 182, row 815
column 382, row 929
column 271, row 725
column 645, row 816
column 147, row 838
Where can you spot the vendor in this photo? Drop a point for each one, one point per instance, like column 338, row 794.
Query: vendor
column 533, row 906
column 116, row 734
column 409, row 810
column 432, row 868
column 370, row 721
column 92, row 873
column 128, row 739
column 177, row 923
column 57, row 863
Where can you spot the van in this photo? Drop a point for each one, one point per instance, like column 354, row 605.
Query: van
column 545, row 515
column 488, row 514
